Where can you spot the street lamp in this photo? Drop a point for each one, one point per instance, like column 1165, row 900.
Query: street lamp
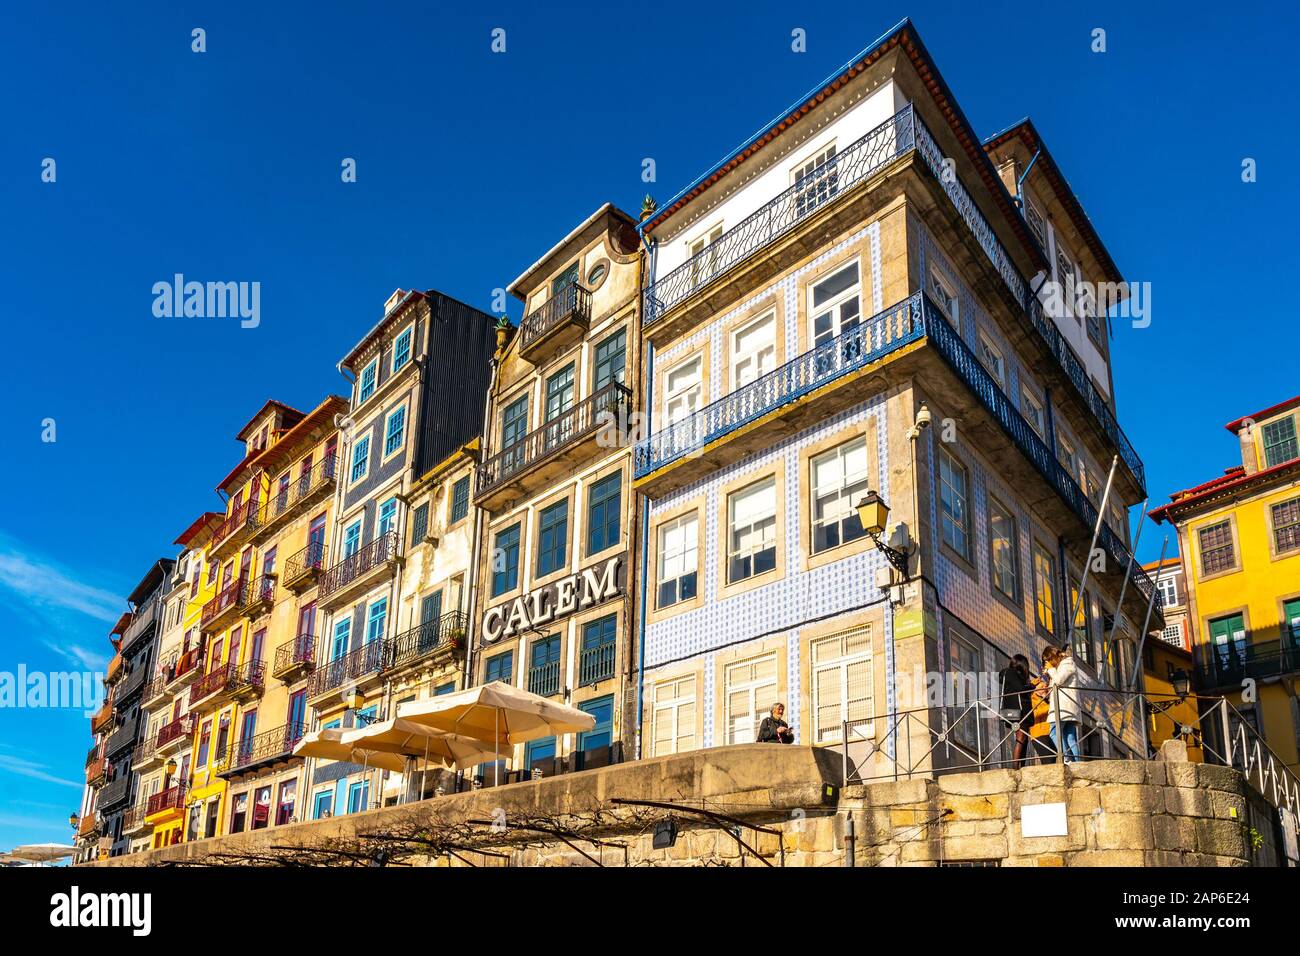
column 873, row 513
column 1182, row 684
column 73, row 819
column 169, row 767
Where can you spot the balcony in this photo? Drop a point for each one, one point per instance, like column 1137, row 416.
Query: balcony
column 131, row 685
column 121, row 739
column 264, row 749
column 146, row 757
column 1227, row 665
column 261, row 596
column 294, row 658
column 300, row 493
column 246, row 681
column 102, row 719
column 544, row 680
column 560, row 322
column 227, row 607
column 189, row 667
column 142, row 622
column 303, row 568
column 547, row 454
column 595, row 664
column 360, row 570
column 732, row 266
column 155, row 691
column 88, row 826
column 446, row 633
column 207, row 691
column 173, row 798
column 360, row 666
column 744, row 421
column 175, row 737
column 114, row 793
column 134, row 821
column 97, row 771
column 235, row 530
column 114, row 671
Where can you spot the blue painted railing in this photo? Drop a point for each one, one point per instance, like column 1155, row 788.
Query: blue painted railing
column 849, row 351
column 902, row 133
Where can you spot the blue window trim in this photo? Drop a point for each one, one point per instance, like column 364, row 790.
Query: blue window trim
column 369, row 380
column 402, row 349
column 360, row 458
column 394, row 440
column 600, row 535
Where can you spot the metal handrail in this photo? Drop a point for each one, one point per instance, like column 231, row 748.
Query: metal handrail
column 300, row 652
column 596, row 664
column 310, row 558
column 234, row 594
column 602, row 408
column 285, row 500
column 330, row 675
column 265, row 746
column 571, row 301
column 361, row 562
column 544, row 680
column 426, row 637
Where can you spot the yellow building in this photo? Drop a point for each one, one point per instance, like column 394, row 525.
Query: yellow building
column 1239, row 535
column 1167, row 667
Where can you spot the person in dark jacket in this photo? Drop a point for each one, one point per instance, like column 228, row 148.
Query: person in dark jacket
column 1018, row 698
column 773, row 729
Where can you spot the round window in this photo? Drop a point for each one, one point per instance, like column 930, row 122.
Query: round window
column 597, row 275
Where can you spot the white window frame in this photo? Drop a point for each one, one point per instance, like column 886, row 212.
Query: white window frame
column 394, row 366
column 353, row 477
column 401, row 446
column 692, row 552
column 1036, row 413
column 846, row 490
column 753, row 686
column 671, row 708
column 989, row 352
column 764, row 526
column 703, row 271
column 835, row 305
column 371, row 366
column 757, row 361
column 671, row 395
column 840, row 664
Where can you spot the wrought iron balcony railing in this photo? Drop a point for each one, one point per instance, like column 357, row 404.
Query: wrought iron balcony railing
column 596, row 664
column 242, row 519
column 97, row 771
column 571, row 303
column 93, row 754
column 303, row 566
column 135, row 819
column 357, row 565
column 604, row 408
column 897, row 136
column 173, row 798
column 423, row 639
column 234, row 596
column 261, row 594
column 188, row 666
column 156, row 688
column 210, row 684
column 1225, row 665
column 330, row 676
column 143, row 619
column 132, row 684
column 285, row 501
column 115, row 792
column 122, row 738
column 178, row 731
column 89, row 826
column 294, row 656
column 878, row 336
column 265, row 746
column 544, row 679
column 246, row 680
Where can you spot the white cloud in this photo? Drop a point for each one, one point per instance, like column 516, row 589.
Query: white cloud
column 37, row 771
column 43, row 585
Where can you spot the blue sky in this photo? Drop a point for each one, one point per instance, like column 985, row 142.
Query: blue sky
column 226, row 166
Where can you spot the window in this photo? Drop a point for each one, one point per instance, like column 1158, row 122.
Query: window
column 672, row 717
column 596, row 662
column 1173, row 634
column 1044, row 589
column 603, row 501
column 953, row 499
column 369, row 375
column 419, row 523
column 944, row 296
column 514, row 422
column 394, row 430
column 750, row 694
column 753, row 350
column 703, row 257
column 611, row 358
column 352, row 539
column 964, row 668
column 1280, row 441
column 1065, row 454
column 500, row 667
column 593, row 746
column 288, row 797
column 205, row 742
column 685, row 388
column 1168, row 592
column 565, row 279
column 1065, row 275
column 1036, row 224
column 376, row 617
column 539, row 755
column 360, row 458
column 559, row 393
column 1217, row 553
column 1032, row 409
column 460, row 499
column 342, row 631
column 552, row 535
column 387, row 516
column 839, row 479
column 991, row 358
column 678, row 560
column 1080, row 634
column 544, row 666
column 1228, row 635
column 751, row 539
column 239, row 813
column 1094, row 323
column 1004, row 551
column 505, row 561
column 842, row 688
column 836, row 308
column 358, row 796
column 596, row 274
column 402, row 349
column 1286, row 525
column 815, row 182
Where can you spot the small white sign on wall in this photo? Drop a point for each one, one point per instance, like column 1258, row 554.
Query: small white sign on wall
column 1043, row 819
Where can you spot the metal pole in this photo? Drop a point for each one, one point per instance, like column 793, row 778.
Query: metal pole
column 850, row 838
column 1137, row 668
column 1060, row 728
column 1087, row 561
column 1128, row 573
column 844, row 762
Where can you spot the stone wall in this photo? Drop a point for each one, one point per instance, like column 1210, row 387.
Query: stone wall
column 1116, row 813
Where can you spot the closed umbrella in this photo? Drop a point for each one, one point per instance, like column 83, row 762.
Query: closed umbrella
column 498, row 714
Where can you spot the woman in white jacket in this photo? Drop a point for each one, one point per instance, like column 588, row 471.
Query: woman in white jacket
column 1063, row 701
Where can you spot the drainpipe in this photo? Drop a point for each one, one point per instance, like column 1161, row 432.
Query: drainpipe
column 647, row 363
column 1020, row 200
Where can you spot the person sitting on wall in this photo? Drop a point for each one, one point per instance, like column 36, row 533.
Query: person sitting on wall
column 773, row 729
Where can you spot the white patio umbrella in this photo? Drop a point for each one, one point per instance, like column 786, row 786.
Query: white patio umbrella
column 327, row 744
column 42, row 852
column 498, row 714
column 416, row 741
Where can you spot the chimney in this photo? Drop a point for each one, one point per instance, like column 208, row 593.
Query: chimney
column 1246, row 436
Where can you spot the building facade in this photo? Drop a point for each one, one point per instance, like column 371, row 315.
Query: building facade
column 855, row 302
column 418, row 380
column 1239, row 537
column 555, row 609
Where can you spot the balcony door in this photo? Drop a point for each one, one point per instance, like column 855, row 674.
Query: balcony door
column 1291, row 625
column 315, row 542
column 307, row 620
column 295, row 719
column 514, row 426
column 593, row 748
column 559, row 400
column 835, row 309
column 1228, row 635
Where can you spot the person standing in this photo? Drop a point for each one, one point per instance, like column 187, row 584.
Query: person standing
column 1017, row 705
column 773, row 729
column 1063, row 687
